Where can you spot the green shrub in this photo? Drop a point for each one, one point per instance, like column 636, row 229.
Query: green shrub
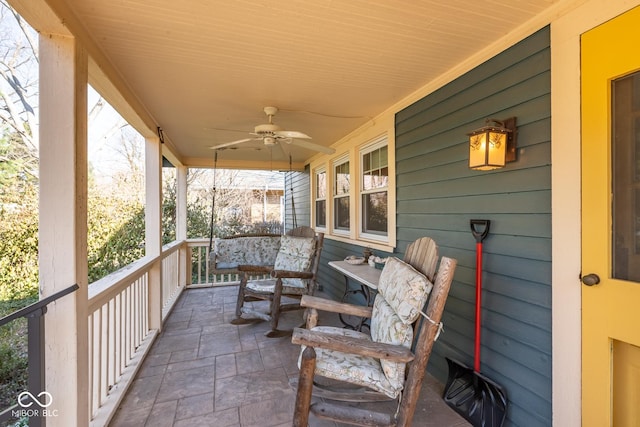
column 19, row 247
column 116, row 235
column 13, row 353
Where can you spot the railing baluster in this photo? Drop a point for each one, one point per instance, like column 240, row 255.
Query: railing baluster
column 145, row 306
column 199, row 261
column 111, row 352
column 104, row 352
column 116, row 339
column 91, row 364
column 123, row 346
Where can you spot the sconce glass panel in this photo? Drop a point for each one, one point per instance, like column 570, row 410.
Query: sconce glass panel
column 487, row 148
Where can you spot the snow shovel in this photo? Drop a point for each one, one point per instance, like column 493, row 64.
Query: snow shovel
column 477, row 398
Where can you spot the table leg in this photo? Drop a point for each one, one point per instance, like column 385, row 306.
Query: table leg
column 354, row 322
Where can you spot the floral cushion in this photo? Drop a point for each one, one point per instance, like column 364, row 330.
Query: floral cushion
column 387, row 327
column 269, row 286
column 355, row 369
column 259, row 250
column 404, row 288
column 402, row 293
column 295, row 254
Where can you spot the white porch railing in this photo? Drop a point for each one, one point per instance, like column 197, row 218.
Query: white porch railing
column 120, row 334
column 171, row 275
column 201, row 274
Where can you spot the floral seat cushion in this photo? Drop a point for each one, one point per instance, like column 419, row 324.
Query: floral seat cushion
column 404, row 288
column 295, row 254
column 246, row 250
column 355, row 369
column 268, row 286
column 402, row 293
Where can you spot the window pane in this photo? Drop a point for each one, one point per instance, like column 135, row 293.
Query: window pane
column 374, row 213
column 626, row 178
column 321, row 213
column 321, row 185
column 342, row 179
column 375, row 170
column 375, row 159
column 341, row 208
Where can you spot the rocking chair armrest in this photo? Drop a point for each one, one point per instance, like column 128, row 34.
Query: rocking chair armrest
column 335, row 306
column 289, row 274
column 259, row 269
column 352, row 345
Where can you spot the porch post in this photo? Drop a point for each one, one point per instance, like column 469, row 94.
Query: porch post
column 63, row 225
column 181, row 203
column 184, row 262
column 153, row 227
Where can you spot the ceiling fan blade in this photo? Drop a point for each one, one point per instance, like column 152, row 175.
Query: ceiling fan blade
column 314, row 147
column 291, row 134
column 227, row 144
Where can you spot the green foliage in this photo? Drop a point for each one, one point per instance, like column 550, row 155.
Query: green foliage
column 198, row 213
column 197, row 221
column 116, row 234
column 13, row 353
column 19, row 247
column 168, row 210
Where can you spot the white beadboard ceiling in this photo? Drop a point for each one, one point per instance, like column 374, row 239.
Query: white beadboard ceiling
column 204, row 69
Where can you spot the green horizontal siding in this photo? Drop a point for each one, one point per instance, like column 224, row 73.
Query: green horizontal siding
column 297, row 202
column 437, row 195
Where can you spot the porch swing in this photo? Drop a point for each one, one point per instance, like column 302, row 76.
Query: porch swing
column 226, row 253
column 295, row 231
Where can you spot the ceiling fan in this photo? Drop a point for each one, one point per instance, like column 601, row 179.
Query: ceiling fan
column 271, row 134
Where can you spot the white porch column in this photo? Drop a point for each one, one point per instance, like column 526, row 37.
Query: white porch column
column 184, row 263
column 63, row 225
column 181, row 203
column 153, row 227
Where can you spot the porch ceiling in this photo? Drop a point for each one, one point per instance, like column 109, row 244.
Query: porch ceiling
column 204, row 70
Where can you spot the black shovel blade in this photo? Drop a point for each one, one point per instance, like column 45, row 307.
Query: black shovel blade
column 479, row 400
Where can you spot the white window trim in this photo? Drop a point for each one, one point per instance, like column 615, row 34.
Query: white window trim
column 317, row 171
column 351, row 150
column 335, row 230
column 375, row 144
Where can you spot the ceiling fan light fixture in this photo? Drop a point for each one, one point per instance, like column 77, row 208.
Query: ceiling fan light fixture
column 267, row 128
column 271, row 134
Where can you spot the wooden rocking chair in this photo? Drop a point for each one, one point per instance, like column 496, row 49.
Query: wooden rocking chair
column 293, row 275
column 376, row 363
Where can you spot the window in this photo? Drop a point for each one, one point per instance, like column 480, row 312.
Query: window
column 321, row 198
column 352, row 194
column 373, row 191
column 341, row 187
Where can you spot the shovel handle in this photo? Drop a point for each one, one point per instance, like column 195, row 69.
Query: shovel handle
column 480, row 229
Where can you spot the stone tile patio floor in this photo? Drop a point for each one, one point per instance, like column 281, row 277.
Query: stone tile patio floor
column 203, row 371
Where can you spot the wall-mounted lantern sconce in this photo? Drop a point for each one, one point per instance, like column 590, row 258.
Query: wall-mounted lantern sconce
column 492, row 146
